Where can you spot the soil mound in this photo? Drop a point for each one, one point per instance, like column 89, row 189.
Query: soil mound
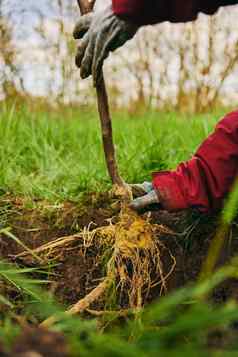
column 120, row 262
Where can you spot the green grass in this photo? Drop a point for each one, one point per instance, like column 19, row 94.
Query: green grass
column 188, row 317
column 57, row 155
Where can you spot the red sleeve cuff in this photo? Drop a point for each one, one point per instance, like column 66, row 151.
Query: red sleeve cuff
column 125, row 7
column 185, row 187
column 204, row 181
column 170, row 196
column 132, row 10
column 141, row 12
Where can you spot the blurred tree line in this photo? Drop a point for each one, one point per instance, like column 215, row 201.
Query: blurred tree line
column 189, row 67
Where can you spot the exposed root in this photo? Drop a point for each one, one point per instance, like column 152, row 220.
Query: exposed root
column 51, row 250
column 119, row 313
column 51, row 246
column 132, row 254
column 82, row 304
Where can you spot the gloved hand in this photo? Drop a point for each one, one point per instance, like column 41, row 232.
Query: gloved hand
column 100, row 33
column 146, row 193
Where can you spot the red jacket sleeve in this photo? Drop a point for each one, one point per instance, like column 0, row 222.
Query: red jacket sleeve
column 145, row 12
column 204, row 181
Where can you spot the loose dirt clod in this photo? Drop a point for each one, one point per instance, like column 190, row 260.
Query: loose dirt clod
column 34, row 342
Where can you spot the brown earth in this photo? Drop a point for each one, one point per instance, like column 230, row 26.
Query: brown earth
column 79, row 272
column 37, row 342
column 186, row 235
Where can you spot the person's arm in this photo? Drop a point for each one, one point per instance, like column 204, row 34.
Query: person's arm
column 144, row 12
column 204, row 181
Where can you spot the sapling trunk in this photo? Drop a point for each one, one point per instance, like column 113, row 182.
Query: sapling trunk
column 104, row 114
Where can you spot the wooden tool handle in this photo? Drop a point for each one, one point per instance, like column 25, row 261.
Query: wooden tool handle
column 87, row 6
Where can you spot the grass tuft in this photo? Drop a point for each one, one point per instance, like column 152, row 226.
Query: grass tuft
column 58, row 155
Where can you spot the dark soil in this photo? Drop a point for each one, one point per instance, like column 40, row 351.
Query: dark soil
column 41, row 223
column 193, row 236
column 77, row 272
column 38, row 342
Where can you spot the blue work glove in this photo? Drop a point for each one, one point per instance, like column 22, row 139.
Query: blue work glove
column 147, row 196
column 100, row 33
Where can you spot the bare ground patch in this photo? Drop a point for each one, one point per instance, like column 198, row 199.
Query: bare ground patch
column 82, row 241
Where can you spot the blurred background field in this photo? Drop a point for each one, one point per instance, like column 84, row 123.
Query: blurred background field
column 177, row 67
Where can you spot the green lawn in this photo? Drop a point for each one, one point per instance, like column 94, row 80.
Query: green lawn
column 57, row 155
